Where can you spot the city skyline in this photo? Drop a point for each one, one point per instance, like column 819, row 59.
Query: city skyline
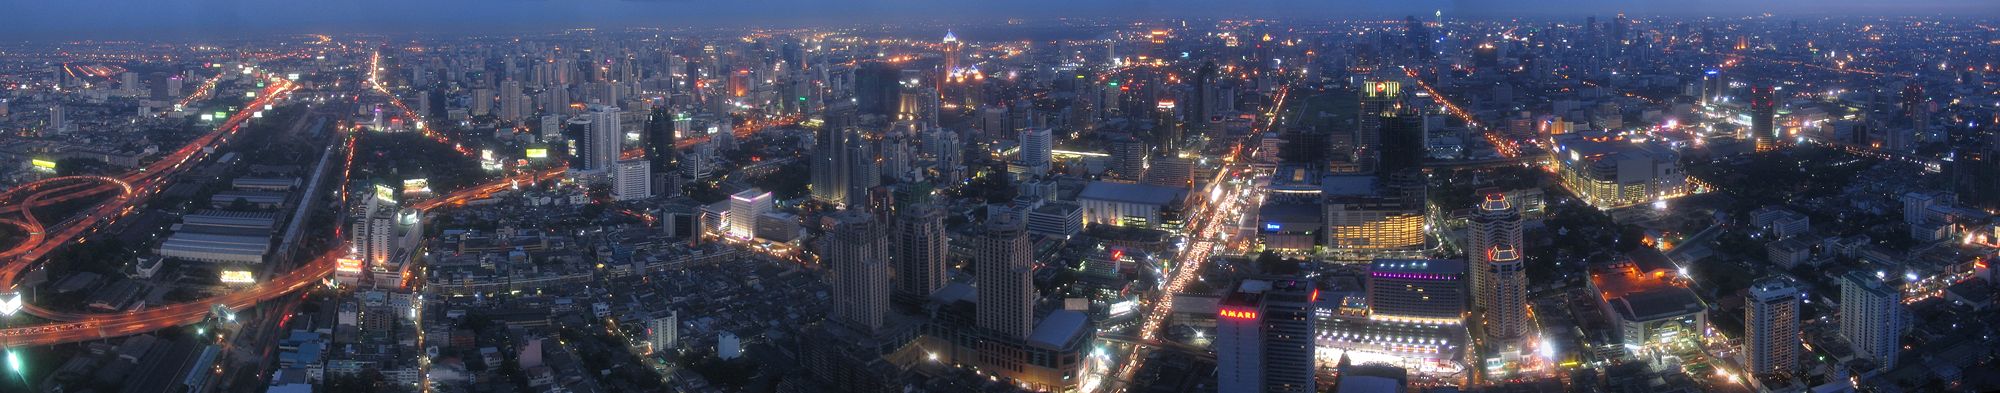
column 221, row 19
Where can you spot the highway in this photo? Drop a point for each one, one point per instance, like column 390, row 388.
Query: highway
column 131, row 190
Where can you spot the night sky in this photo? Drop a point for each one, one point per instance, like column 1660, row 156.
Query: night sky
column 59, row 19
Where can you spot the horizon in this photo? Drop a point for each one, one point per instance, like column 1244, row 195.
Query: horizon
column 208, row 19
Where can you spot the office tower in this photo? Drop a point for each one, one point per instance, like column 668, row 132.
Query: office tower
column 1495, row 223
column 482, row 101
column 1128, row 158
column 1004, row 260
column 552, row 128
column 1916, row 108
column 1167, row 130
column 632, row 180
column 174, row 86
column 1505, row 294
column 510, row 97
column 856, row 249
column 744, row 208
column 663, row 332
column 1763, row 110
column 1712, row 86
column 1417, row 291
column 1170, row 171
column 1771, row 327
column 1264, row 337
column 1872, row 317
column 1037, row 154
column 829, row 168
column 1202, row 99
column 921, row 250
column 1401, row 146
column 660, row 140
column 1379, row 99
column 57, row 124
column 945, row 147
column 864, row 169
column 605, row 135
column 581, row 148
column 951, row 52
column 373, row 226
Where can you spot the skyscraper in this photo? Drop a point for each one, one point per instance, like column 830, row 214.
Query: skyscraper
column 605, row 135
column 921, row 248
column 1379, row 100
column 830, row 173
column 1004, row 260
column 1771, row 327
column 1203, row 97
column 1037, row 152
column 1495, row 224
column 57, row 124
column 1264, row 337
column 856, row 249
column 1505, row 295
column 510, row 100
column 660, row 140
column 1763, row 113
column 1872, row 317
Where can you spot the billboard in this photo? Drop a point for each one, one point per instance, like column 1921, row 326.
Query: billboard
column 238, row 277
column 538, row 152
column 43, row 164
column 385, row 194
column 347, row 265
column 419, row 185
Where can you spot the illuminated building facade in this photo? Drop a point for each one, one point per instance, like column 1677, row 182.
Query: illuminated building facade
column 744, row 208
column 1265, row 337
column 1411, row 315
column 1363, row 221
column 1771, row 327
column 1872, row 317
column 1608, row 172
column 1649, row 303
column 1763, row 114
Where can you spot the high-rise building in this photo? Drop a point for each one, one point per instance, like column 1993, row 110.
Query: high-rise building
column 1202, row 99
column 1495, row 223
column 1713, row 86
column 1872, row 317
column 1916, row 107
column 663, row 332
column 1763, row 117
column 510, row 100
column 1505, row 294
column 482, row 101
column 1037, row 150
column 374, row 225
column 856, row 249
column 1265, row 335
column 57, row 124
column 1379, row 99
column 1771, row 327
column 831, row 175
column 1128, row 158
column 605, row 138
column 661, row 137
column 1005, row 263
column 921, row 249
column 632, row 180
column 744, row 208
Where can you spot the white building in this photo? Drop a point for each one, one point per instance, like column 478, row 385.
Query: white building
column 1872, row 317
column 744, row 208
column 663, row 332
column 632, row 180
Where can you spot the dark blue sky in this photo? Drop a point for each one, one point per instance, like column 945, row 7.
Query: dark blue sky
column 32, row 19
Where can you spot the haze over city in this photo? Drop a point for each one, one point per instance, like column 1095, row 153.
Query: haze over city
column 1161, row 196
